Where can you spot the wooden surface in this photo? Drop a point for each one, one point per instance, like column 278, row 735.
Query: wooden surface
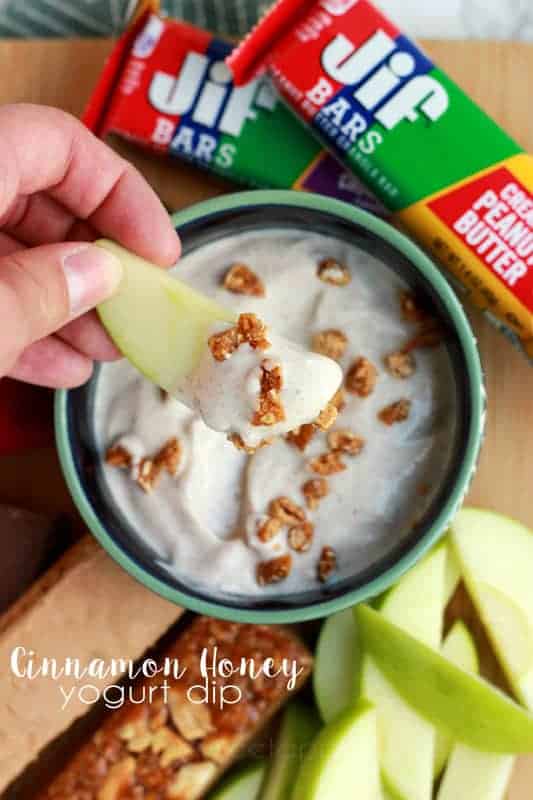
column 63, row 73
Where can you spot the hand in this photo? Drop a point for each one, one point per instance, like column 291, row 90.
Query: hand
column 60, row 189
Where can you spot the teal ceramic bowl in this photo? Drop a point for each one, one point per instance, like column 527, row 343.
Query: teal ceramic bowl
column 260, row 210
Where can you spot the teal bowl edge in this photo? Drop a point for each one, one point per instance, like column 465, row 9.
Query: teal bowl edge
column 464, row 475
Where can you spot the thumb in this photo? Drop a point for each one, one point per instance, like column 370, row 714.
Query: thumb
column 42, row 288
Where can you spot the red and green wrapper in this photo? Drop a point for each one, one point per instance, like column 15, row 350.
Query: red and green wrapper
column 459, row 184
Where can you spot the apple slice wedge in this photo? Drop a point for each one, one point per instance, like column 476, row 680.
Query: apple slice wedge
column 299, row 727
column 459, row 648
column 474, row 774
column 159, row 323
column 496, row 559
column 343, row 758
column 243, row 784
column 469, row 708
column 407, row 740
column 337, row 666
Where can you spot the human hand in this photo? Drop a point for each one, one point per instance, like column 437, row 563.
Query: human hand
column 60, row 189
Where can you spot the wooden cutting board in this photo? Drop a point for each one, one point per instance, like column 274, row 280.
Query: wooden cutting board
column 62, row 73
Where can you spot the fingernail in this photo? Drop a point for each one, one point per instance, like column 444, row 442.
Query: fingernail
column 92, row 274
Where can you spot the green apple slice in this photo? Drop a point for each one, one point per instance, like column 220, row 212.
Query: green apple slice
column 468, row 707
column 244, row 783
column 496, row 559
column 474, row 774
column 299, row 727
column 343, row 759
column 452, row 576
column 406, row 740
column 159, row 323
column 460, row 649
column 336, row 665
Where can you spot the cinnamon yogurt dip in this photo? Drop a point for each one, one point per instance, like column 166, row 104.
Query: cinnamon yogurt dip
column 321, row 502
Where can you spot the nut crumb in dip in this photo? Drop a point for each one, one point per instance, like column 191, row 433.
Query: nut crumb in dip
column 334, row 490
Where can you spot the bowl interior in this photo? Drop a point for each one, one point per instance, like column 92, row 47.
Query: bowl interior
column 107, row 521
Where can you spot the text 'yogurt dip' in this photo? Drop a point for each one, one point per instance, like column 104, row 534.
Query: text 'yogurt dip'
column 315, row 505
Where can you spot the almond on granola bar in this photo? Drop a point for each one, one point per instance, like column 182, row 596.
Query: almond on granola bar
column 361, row 377
column 331, row 343
column 395, row 412
column 314, row 490
column 327, row 564
column 327, row 464
column 274, row 571
column 332, row 271
column 240, row 279
column 345, row 441
column 400, row 364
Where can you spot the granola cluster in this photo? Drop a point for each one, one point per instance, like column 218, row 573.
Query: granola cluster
column 333, row 272
column 248, row 330
column 270, row 410
column 240, row 279
column 149, row 469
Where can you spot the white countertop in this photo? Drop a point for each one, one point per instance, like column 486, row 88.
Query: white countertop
column 490, row 19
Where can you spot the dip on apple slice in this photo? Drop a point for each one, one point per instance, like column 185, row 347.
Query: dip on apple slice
column 243, row 379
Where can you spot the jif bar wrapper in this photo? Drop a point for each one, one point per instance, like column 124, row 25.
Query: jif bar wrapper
column 166, row 87
column 451, row 176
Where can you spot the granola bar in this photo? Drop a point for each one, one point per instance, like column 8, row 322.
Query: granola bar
column 178, row 750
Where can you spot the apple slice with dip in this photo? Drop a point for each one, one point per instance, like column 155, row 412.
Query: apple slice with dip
column 242, row 378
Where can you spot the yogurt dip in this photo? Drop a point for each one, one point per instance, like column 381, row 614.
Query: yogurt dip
column 314, row 505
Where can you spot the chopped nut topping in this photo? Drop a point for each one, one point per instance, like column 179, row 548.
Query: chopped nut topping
column 400, row 364
column 253, row 331
column 339, row 400
column 193, row 720
column 249, row 329
column 169, row 457
column 327, row 464
column 118, row 456
column 331, row 343
column 345, row 441
column 327, row 564
column 270, row 409
column 332, row 271
column 396, row 412
column 327, row 417
column 149, row 473
column 300, row 437
column 300, row 537
column 268, row 528
column 274, row 571
column 238, row 442
column 240, row 279
column 362, row 377
column 287, row 511
column 411, row 307
column 429, row 334
column 314, row 490
column 224, row 344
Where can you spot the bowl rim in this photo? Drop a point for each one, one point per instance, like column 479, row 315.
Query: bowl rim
column 381, row 582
